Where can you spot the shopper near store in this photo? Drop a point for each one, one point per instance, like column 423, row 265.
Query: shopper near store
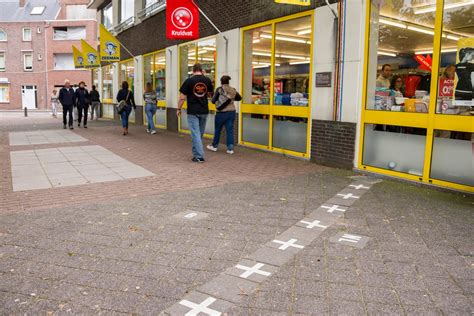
column 67, row 97
column 224, row 98
column 54, row 103
column 82, row 103
column 127, row 96
column 396, row 86
column 196, row 90
column 383, row 80
column 95, row 103
column 150, row 98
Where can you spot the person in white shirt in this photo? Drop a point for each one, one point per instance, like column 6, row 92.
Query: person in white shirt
column 383, row 80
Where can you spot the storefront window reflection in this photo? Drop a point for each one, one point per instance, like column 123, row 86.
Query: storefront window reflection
column 395, row 148
column 292, row 62
column 455, row 85
column 453, row 157
column 400, row 55
column 257, row 65
column 107, row 84
column 127, row 73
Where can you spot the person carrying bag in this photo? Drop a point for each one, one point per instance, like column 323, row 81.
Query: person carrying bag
column 124, row 107
column 224, row 98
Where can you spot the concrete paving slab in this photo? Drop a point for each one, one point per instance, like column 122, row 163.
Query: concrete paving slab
column 271, row 256
column 197, row 303
column 44, row 137
column 349, row 239
column 252, row 270
column 228, row 287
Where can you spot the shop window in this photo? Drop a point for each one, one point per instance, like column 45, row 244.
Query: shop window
column 148, row 69
column 396, row 148
column 107, row 83
column 95, row 78
column 292, row 62
column 453, row 157
column 187, row 55
column 290, row 133
column 399, row 64
column 255, row 128
column 257, row 65
column 160, row 75
column 4, row 92
column 455, row 84
column 127, row 73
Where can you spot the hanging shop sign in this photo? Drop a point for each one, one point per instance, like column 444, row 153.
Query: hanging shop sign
column 109, row 46
column 297, row 2
column 425, row 62
column 182, row 20
column 78, row 59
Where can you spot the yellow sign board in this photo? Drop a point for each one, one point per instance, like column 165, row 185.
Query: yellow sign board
column 78, row 59
column 297, row 2
column 90, row 55
column 109, row 46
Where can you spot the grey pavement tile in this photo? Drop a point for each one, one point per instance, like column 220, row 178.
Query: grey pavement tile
column 310, row 287
column 350, row 239
column 344, row 276
column 194, row 299
column 342, row 307
column 339, row 200
column 423, row 310
column 383, row 309
column 452, row 301
column 303, row 235
column 382, row 295
column 345, row 291
column 416, row 298
column 446, row 285
column 229, row 288
column 310, row 305
column 271, row 256
column 272, row 300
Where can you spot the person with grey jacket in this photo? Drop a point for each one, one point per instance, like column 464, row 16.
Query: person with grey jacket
column 225, row 114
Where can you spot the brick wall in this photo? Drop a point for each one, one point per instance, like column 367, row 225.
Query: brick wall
column 233, row 15
column 332, row 143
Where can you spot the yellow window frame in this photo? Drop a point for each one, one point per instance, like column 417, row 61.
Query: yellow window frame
column 430, row 121
column 277, row 110
column 212, row 107
column 160, row 103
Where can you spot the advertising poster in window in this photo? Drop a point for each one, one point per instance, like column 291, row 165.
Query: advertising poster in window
column 464, row 91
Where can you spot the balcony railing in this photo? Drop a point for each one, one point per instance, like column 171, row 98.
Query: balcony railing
column 152, row 9
column 125, row 25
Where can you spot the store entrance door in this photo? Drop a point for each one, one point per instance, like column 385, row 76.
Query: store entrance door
column 28, row 97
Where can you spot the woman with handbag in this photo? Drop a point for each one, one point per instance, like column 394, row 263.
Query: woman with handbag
column 125, row 101
column 82, row 103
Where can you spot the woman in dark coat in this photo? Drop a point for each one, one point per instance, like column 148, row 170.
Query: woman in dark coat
column 126, row 95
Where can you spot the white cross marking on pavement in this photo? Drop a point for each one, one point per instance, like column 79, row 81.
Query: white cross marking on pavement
column 359, row 186
column 200, row 308
column 190, row 215
column 314, row 224
column 333, row 208
column 350, row 238
column 289, row 243
column 251, row 270
column 348, row 196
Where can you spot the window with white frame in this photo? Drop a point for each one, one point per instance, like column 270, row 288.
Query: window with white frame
column 3, row 36
column 4, row 92
column 126, row 9
column 63, row 62
column 2, row 61
column 69, row 32
column 107, row 16
column 27, row 34
column 28, row 61
column 79, row 12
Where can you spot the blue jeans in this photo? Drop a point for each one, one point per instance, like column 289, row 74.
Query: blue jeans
column 124, row 115
column 224, row 119
column 197, row 125
column 150, row 110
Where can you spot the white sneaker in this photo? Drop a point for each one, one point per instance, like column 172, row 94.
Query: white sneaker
column 148, row 131
column 230, row 152
column 211, row 148
column 153, row 132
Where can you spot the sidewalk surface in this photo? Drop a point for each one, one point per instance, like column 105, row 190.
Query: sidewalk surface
column 92, row 222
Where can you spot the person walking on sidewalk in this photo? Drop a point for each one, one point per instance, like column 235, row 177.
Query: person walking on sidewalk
column 150, row 98
column 82, row 103
column 126, row 95
column 54, row 103
column 196, row 91
column 67, row 97
column 224, row 98
column 95, row 103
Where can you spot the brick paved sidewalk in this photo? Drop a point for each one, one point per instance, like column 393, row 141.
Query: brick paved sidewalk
column 101, row 254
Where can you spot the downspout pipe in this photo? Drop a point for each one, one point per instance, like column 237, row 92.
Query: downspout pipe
column 336, row 60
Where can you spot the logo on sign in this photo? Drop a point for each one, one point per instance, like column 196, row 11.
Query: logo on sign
column 182, row 18
column 110, row 48
column 91, row 58
column 80, row 60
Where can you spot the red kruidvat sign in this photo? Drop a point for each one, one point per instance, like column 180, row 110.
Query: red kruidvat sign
column 182, row 19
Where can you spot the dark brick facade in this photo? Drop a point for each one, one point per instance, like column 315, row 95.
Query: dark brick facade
column 150, row 35
column 333, row 143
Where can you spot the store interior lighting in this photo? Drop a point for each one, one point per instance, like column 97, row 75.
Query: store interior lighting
column 447, row 50
column 286, row 38
column 392, row 23
column 304, row 32
column 447, row 6
column 420, row 30
column 386, row 54
column 299, row 62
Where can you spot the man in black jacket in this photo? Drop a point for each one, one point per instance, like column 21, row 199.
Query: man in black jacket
column 82, row 103
column 95, row 103
column 67, row 99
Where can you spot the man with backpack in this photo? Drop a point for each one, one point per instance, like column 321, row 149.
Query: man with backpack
column 196, row 91
column 224, row 98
